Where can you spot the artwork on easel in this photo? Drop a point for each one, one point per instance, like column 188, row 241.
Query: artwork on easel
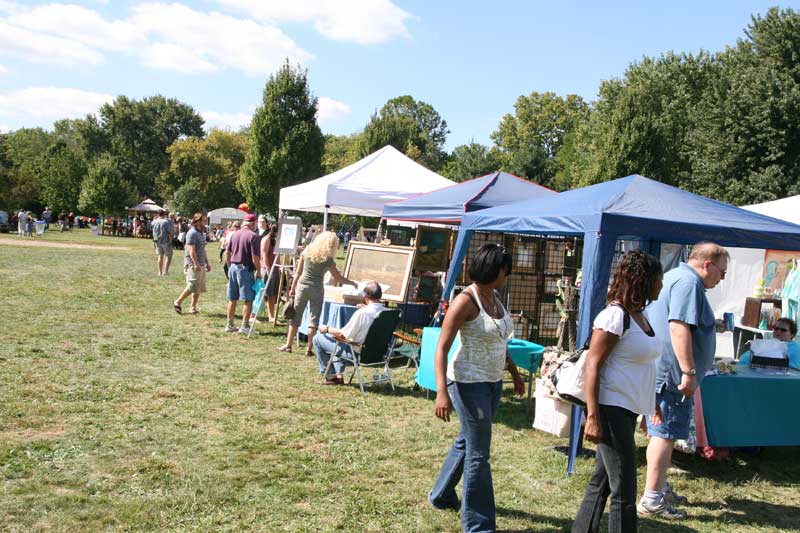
column 290, row 230
column 390, row 266
column 433, row 249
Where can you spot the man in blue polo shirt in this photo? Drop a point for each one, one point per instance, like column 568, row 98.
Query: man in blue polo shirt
column 682, row 318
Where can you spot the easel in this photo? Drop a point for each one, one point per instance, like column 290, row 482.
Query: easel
column 286, row 244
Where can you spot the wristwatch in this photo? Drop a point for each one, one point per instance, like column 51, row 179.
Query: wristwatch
column 692, row 372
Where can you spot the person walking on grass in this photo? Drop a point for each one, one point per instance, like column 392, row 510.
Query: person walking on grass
column 620, row 384
column 244, row 255
column 163, row 233
column 471, row 383
column 195, row 264
column 684, row 322
column 22, row 222
column 307, row 285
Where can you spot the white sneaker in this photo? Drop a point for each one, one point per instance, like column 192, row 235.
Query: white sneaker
column 662, row 510
column 230, row 328
column 243, row 330
column 672, row 497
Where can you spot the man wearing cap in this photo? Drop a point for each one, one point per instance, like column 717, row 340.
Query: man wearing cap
column 244, row 253
column 163, row 233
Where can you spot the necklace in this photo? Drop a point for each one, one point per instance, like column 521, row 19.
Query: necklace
column 500, row 332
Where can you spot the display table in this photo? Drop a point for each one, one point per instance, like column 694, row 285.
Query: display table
column 751, row 408
column 334, row 315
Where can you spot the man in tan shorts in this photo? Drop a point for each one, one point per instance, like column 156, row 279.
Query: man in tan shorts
column 195, row 264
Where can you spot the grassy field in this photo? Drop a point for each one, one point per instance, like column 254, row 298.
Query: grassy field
column 118, row 414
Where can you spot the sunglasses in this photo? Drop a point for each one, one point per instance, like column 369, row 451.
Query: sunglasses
column 780, row 329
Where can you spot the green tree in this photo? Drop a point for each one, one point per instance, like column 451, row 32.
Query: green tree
column 104, row 189
column 340, row 151
column 286, row 143
column 470, row 161
column 530, row 139
column 61, row 171
column 413, row 127
column 139, row 133
column 748, row 148
column 204, row 171
column 23, row 149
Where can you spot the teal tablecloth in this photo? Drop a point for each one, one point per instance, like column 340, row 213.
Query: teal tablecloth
column 750, row 408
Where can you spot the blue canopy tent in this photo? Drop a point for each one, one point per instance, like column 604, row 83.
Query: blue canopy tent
column 635, row 208
column 448, row 205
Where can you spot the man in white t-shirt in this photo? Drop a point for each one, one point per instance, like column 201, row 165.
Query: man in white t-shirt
column 355, row 330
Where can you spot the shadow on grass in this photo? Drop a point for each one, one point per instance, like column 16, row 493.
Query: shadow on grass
column 750, row 513
column 563, row 524
column 778, row 465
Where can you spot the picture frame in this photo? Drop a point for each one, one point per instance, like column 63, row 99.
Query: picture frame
column 390, row 266
column 290, row 231
column 433, row 249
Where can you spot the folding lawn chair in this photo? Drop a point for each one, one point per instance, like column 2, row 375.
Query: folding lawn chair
column 374, row 352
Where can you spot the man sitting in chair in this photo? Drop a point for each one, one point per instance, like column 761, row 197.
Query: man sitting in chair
column 354, row 331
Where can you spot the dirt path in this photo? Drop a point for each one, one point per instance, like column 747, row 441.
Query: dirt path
column 48, row 244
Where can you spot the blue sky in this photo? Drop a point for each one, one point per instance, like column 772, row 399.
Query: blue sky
column 469, row 59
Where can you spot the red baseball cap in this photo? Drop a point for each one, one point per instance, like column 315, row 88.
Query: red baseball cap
column 250, row 217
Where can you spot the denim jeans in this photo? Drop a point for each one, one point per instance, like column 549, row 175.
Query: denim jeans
column 323, row 347
column 614, row 475
column 476, row 405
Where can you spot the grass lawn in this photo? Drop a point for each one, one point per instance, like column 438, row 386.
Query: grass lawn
column 118, row 414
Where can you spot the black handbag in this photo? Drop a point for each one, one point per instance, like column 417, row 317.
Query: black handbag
column 288, row 311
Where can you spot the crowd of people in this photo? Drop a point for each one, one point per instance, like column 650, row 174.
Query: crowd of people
column 649, row 351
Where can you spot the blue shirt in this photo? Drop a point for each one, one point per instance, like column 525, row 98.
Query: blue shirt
column 683, row 298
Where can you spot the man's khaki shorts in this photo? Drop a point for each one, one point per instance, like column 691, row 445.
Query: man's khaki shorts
column 163, row 249
column 195, row 281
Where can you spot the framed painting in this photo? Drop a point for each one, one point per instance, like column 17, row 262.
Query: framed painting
column 290, row 230
column 433, row 249
column 390, row 266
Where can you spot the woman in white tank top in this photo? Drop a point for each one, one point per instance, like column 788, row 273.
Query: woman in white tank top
column 471, row 383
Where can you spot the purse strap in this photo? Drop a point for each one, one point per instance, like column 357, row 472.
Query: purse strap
column 626, row 322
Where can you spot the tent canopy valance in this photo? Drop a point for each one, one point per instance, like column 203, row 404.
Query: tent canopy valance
column 448, row 205
column 363, row 187
column 148, row 206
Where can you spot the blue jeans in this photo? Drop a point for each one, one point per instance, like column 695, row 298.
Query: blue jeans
column 676, row 411
column 323, row 347
column 240, row 283
column 476, row 405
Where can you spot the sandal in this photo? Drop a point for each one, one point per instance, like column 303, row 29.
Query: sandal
column 285, row 349
column 194, row 312
column 335, row 380
column 177, row 308
column 309, row 353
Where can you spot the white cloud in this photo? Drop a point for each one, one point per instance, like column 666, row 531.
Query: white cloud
column 359, row 21
column 233, row 121
column 4, row 70
column 163, row 36
column 43, row 104
column 4, row 128
column 330, row 110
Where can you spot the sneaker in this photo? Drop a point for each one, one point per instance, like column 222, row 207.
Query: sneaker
column 244, row 330
column 662, row 510
column 673, row 498
column 230, row 328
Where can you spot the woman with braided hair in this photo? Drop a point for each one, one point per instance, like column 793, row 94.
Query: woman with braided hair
column 620, row 384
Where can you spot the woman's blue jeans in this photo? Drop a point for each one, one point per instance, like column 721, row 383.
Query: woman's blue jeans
column 476, row 405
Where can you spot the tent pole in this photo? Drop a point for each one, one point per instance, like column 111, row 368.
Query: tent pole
column 325, row 219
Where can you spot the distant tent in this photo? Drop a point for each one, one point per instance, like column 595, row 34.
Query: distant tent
column 148, row 206
column 223, row 215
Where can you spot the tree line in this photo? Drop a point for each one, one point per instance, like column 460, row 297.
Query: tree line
column 720, row 124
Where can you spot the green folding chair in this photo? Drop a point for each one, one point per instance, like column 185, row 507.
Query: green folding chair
column 374, row 352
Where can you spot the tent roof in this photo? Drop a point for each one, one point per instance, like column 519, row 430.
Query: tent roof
column 148, row 206
column 365, row 186
column 449, row 204
column 785, row 209
column 636, row 206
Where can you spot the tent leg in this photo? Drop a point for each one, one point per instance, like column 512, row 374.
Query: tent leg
column 325, row 219
column 574, row 437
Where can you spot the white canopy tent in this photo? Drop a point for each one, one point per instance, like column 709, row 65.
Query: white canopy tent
column 363, row 187
column 746, row 267
column 148, row 206
column 223, row 215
